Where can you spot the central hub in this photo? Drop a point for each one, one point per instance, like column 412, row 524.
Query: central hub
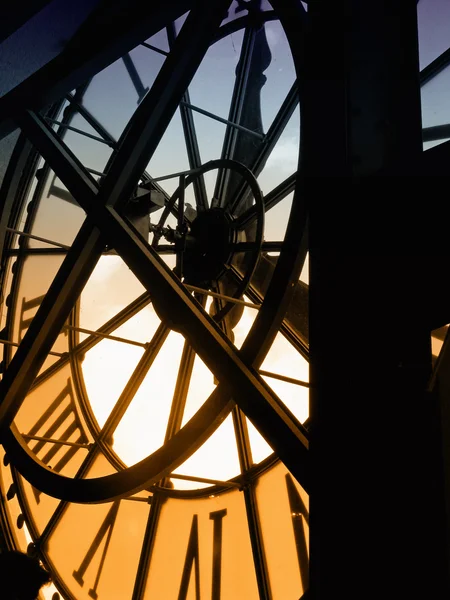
column 208, row 247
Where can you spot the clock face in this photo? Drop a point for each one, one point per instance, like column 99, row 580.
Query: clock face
column 154, row 321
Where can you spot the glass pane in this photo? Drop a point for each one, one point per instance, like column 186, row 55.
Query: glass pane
column 433, row 20
column 99, row 559
column 111, row 287
column 106, row 370
column 436, row 103
column 93, row 154
column 172, row 144
column 216, row 459
column 280, row 73
column 279, row 532
column 243, row 327
column 111, row 98
column 276, row 219
column 143, row 428
column 218, row 66
column 201, row 520
column 283, row 359
column 159, row 40
column 437, row 340
column 34, row 280
column 201, row 386
column 59, row 218
column 51, row 420
column 260, row 448
column 283, row 160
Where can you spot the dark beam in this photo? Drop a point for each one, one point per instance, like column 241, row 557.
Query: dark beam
column 14, row 15
column 373, row 440
column 113, row 29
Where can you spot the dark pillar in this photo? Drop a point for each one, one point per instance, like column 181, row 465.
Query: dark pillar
column 377, row 506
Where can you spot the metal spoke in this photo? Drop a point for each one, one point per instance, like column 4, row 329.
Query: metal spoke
column 35, row 251
column 190, row 135
column 147, row 547
column 211, row 115
column 134, row 383
column 279, row 193
column 155, row 49
column 284, row 378
column 93, row 122
column 435, row 67
column 438, row 132
column 38, row 238
column 182, row 385
column 16, row 345
column 251, row 504
column 294, row 326
column 134, row 76
column 54, row 441
column 246, row 462
column 107, row 336
column 194, row 288
column 76, row 130
column 265, row 246
column 236, row 108
column 205, row 480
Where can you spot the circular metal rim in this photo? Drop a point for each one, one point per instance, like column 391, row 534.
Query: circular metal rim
column 214, row 410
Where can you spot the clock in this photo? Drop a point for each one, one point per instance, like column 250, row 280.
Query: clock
column 154, row 319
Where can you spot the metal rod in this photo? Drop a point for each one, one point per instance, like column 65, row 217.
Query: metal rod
column 80, row 131
column 34, row 251
column 284, row 378
column 38, row 238
column 155, row 49
column 87, row 116
column 204, row 480
column 134, row 76
column 165, row 249
column 173, row 175
column 94, row 172
column 222, row 120
column 107, row 336
column 180, row 223
column 193, row 288
column 437, row 132
column 53, row 441
column 266, row 246
column 16, row 344
column 147, row 500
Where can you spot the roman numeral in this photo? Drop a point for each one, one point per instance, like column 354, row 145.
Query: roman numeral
column 193, row 558
column 217, row 516
column 60, row 413
column 299, row 514
column 105, row 530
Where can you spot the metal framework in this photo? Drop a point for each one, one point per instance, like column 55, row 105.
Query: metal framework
column 363, row 323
